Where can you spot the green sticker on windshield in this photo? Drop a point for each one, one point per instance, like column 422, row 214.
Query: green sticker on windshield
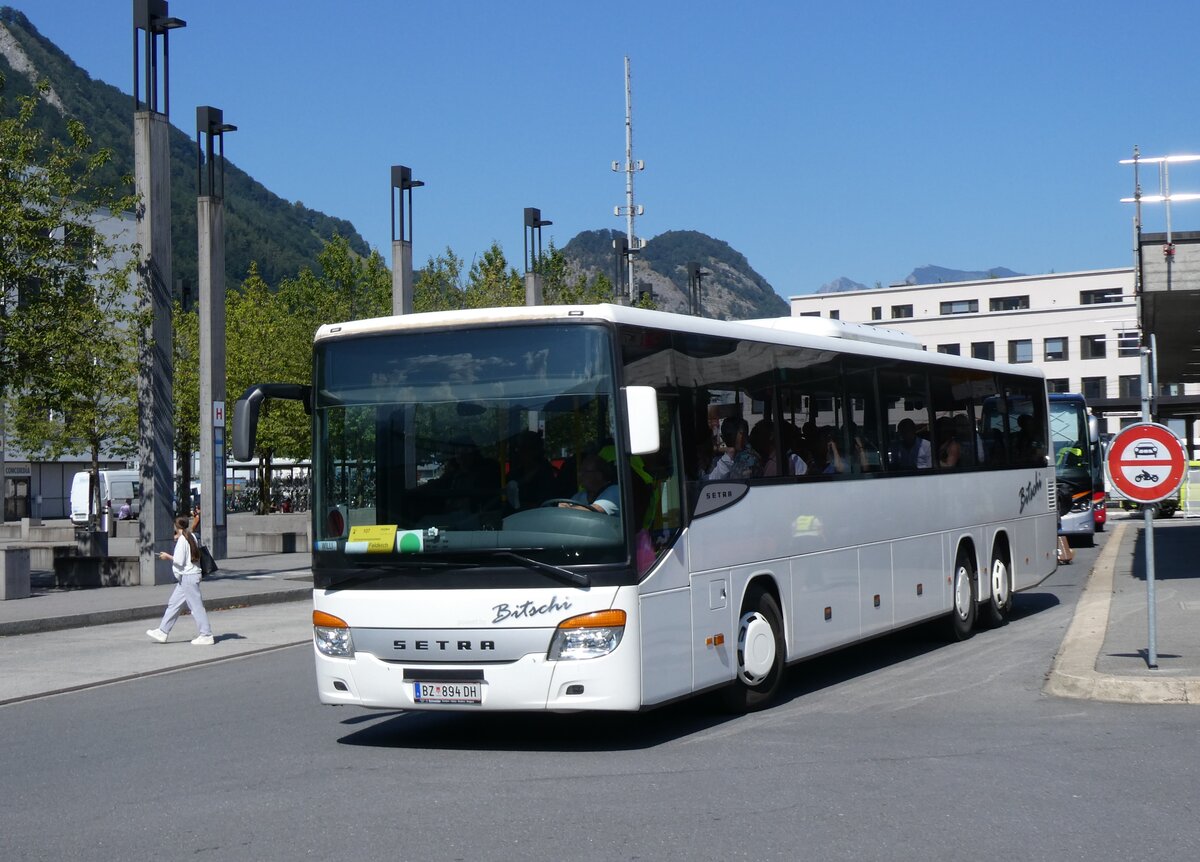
column 410, row 541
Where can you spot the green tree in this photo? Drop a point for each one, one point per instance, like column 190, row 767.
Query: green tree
column 439, row 287
column 67, row 351
column 561, row 287
column 261, row 347
column 492, row 283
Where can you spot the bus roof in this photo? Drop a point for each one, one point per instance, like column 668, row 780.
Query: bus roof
column 821, row 333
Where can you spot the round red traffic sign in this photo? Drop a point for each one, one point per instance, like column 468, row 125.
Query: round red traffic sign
column 1146, row 462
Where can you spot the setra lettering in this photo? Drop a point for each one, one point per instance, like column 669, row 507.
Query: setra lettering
column 444, row 646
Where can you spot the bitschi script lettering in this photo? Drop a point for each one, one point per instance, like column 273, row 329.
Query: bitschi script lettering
column 525, row 610
column 1029, row 492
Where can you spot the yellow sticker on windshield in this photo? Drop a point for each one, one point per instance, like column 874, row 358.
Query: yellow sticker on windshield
column 372, row 539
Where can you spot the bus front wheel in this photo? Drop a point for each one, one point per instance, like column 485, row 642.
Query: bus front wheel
column 760, row 654
column 962, row 586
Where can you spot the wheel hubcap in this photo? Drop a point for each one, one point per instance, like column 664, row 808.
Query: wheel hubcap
column 756, row 648
column 1000, row 582
column 962, row 592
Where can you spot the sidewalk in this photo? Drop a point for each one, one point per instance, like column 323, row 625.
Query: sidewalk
column 243, row 579
column 1104, row 653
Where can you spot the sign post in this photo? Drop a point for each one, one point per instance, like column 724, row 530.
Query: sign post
column 1146, row 463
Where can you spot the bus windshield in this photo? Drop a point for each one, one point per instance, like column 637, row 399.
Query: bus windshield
column 467, row 447
column 1069, row 434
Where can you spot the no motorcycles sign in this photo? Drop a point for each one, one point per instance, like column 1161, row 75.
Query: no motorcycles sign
column 1146, row 462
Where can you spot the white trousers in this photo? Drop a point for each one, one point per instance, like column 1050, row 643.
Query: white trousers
column 187, row 591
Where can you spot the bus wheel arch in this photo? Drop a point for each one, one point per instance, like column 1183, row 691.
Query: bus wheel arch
column 1000, row 582
column 761, row 649
column 964, row 591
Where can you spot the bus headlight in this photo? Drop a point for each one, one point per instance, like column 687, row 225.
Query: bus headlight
column 332, row 635
column 587, row 636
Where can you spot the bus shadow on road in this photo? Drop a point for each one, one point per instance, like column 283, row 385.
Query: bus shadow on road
column 610, row 731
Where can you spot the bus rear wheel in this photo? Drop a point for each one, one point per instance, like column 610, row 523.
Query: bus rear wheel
column 999, row 604
column 760, row 654
column 963, row 604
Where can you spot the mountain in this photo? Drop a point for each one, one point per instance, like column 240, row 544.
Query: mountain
column 840, row 285
column 730, row 288
column 281, row 236
column 927, row 274
column 931, row 274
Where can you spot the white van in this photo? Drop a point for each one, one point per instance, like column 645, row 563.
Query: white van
column 115, row 486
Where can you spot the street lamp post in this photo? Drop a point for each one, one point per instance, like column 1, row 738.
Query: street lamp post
column 402, row 262
column 533, row 254
column 210, row 225
column 152, row 177
column 695, row 287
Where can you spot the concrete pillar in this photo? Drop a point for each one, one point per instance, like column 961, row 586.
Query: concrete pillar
column 14, row 573
column 210, row 223
column 402, row 277
column 156, row 419
column 533, row 288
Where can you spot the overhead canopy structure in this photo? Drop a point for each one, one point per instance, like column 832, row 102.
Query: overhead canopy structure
column 1170, row 279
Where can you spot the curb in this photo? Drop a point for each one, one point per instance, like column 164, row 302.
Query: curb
column 148, row 612
column 1074, row 671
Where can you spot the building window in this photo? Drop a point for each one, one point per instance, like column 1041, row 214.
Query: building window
column 1170, row 389
column 1056, row 349
column 1094, row 388
column 1091, row 346
column 899, row 311
column 1058, row 384
column 810, row 314
column 1020, row 350
column 834, row 314
column 877, row 312
column 1130, row 385
column 1128, row 343
column 983, row 350
column 961, row 306
column 951, row 349
column 1008, row 303
column 1098, row 297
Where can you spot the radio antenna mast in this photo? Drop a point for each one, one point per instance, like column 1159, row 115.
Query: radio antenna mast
column 633, row 244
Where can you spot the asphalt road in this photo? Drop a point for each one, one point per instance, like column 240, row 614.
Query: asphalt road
column 903, row 748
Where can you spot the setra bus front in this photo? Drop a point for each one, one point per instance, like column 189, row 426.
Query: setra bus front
column 472, row 534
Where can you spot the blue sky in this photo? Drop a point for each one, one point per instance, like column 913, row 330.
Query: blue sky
column 820, row 140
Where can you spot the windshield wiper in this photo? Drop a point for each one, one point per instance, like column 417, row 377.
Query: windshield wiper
column 565, row 575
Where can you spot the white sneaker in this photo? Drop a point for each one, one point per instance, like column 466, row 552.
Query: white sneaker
column 203, row 640
column 157, row 635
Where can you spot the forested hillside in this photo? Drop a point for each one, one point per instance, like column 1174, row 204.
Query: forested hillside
column 260, row 226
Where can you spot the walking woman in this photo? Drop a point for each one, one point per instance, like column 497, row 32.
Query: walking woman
column 185, row 564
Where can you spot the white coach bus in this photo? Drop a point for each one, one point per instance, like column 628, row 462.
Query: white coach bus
column 607, row 508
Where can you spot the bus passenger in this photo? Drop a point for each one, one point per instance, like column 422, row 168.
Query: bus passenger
column 911, row 452
column 739, row 461
column 797, row 454
column 762, row 440
column 949, row 449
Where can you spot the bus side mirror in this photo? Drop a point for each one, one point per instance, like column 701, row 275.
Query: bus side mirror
column 641, row 411
column 245, row 412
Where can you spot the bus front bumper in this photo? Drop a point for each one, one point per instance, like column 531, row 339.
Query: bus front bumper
column 533, row 682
